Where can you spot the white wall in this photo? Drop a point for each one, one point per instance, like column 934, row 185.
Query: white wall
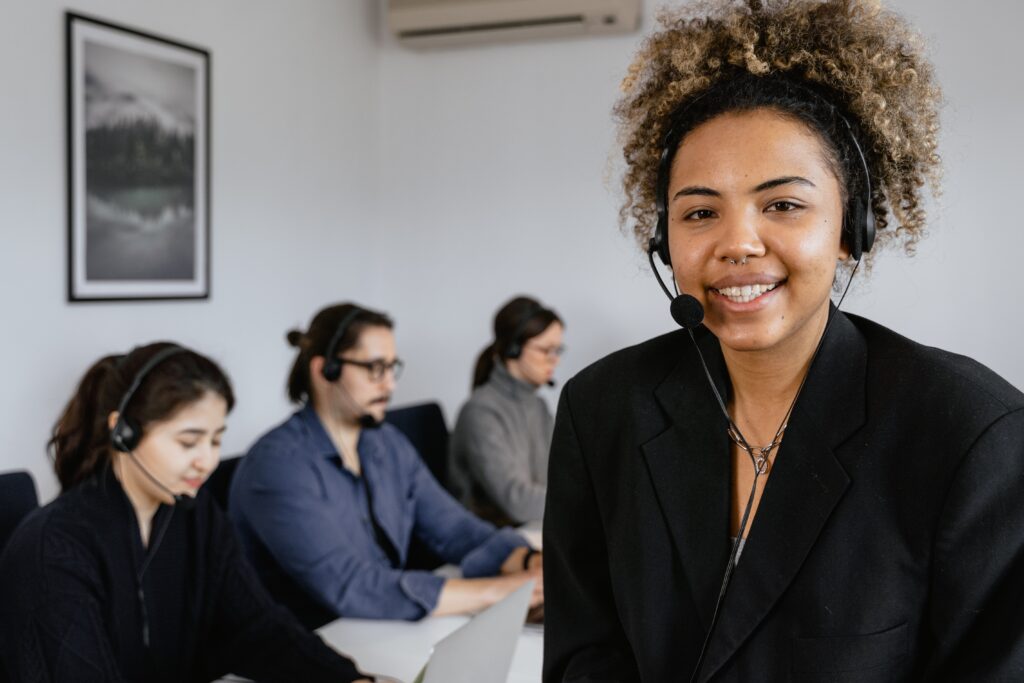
column 293, row 153
column 435, row 185
column 492, row 181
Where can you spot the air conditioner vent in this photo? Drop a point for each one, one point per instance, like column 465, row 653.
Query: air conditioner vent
column 575, row 19
column 434, row 23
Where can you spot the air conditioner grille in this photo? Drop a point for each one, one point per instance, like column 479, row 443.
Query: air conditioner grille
column 569, row 19
column 436, row 23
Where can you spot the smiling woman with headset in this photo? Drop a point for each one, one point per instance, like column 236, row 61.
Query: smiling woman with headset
column 129, row 574
column 786, row 491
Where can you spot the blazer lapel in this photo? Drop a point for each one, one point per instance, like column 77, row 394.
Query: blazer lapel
column 689, row 468
column 805, row 485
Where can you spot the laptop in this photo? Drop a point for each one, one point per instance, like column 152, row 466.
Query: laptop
column 481, row 650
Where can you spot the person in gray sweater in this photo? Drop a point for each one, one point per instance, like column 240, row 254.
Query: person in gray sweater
column 499, row 449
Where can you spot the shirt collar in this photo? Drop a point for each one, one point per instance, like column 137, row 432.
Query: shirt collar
column 502, row 379
column 320, row 443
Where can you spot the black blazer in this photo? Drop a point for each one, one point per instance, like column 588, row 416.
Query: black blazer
column 889, row 544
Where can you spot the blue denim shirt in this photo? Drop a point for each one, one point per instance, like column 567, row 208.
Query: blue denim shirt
column 292, row 496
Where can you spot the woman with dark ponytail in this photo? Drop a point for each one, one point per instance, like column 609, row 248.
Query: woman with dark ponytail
column 133, row 573
column 500, row 445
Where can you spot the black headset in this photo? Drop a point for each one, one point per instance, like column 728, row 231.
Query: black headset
column 127, row 433
column 858, row 218
column 331, row 370
column 515, row 347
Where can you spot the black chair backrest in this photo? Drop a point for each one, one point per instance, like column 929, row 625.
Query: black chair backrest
column 17, row 499
column 219, row 483
column 425, row 427
column 423, row 424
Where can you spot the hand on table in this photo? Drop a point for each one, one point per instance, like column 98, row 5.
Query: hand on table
column 514, row 562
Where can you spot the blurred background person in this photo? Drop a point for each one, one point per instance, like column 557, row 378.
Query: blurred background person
column 328, row 502
column 129, row 574
column 499, row 450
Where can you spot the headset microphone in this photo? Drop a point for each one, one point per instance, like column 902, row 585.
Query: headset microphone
column 367, row 421
column 331, row 370
column 687, row 311
column 180, row 499
column 127, row 433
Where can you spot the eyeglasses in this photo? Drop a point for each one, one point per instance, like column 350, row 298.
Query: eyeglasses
column 377, row 368
column 552, row 352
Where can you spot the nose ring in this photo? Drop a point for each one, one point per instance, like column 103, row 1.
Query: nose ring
column 742, row 261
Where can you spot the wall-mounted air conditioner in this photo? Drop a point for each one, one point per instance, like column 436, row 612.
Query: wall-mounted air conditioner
column 433, row 23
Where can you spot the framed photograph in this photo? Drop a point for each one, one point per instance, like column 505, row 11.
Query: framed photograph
column 138, row 109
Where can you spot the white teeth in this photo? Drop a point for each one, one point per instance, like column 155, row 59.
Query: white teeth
column 746, row 293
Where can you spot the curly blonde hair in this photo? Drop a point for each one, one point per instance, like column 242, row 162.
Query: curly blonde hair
column 867, row 61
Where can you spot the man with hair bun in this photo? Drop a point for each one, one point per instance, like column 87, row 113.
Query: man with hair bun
column 328, row 503
column 787, row 492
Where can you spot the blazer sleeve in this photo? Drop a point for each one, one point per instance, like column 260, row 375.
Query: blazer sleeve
column 502, row 471
column 976, row 612
column 62, row 637
column 252, row 635
column 583, row 638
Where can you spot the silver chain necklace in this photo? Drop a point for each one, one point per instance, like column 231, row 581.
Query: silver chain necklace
column 759, row 455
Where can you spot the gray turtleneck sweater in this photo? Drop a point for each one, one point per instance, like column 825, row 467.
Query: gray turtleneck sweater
column 499, row 450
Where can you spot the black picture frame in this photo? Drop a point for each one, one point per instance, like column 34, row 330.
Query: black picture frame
column 138, row 164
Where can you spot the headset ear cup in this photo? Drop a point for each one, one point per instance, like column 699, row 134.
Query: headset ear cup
column 868, row 239
column 853, row 230
column 126, row 435
column 331, row 370
column 659, row 242
column 515, row 349
column 662, row 236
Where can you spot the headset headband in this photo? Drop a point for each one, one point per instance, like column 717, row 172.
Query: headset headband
column 858, row 216
column 515, row 347
column 331, row 370
column 126, row 434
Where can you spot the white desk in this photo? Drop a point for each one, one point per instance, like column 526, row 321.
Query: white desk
column 401, row 648
column 533, row 533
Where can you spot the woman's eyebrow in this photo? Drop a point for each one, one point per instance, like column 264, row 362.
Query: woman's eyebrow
column 200, row 432
column 701, row 190
column 785, row 180
column 696, row 190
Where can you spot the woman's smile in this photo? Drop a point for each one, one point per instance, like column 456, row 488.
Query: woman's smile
column 745, row 289
column 744, row 299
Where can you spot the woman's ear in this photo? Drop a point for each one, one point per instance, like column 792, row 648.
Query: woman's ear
column 844, row 250
column 112, row 419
